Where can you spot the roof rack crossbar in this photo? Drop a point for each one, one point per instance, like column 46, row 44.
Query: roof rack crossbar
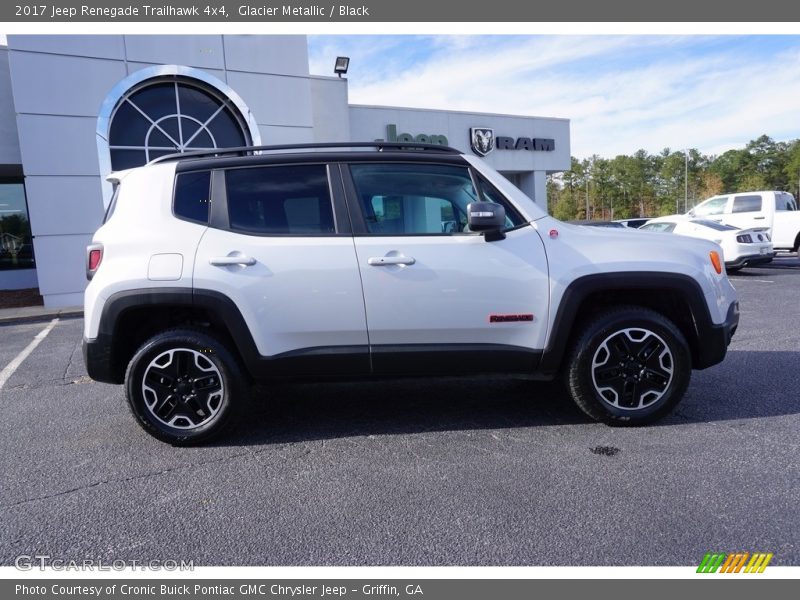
column 243, row 150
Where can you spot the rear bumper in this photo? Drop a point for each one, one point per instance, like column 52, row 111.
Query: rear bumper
column 714, row 342
column 99, row 361
column 750, row 261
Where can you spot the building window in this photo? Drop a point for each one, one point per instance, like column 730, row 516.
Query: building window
column 16, row 245
column 175, row 114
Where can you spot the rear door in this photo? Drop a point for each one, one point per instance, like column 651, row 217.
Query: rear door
column 749, row 210
column 438, row 297
column 280, row 247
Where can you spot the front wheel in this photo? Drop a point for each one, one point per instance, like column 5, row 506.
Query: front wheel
column 182, row 385
column 628, row 366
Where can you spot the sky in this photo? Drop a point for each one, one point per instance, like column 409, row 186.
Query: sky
column 621, row 93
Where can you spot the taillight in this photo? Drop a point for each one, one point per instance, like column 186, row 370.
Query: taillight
column 94, row 256
column 715, row 261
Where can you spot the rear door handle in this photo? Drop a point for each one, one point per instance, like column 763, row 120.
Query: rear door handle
column 382, row 261
column 759, row 218
column 227, row 261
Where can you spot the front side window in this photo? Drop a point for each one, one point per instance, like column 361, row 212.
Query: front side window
column 715, row 206
column 426, row 199
column 16, row 244
column 746, row 204
column 404, row 199
column 293, row 199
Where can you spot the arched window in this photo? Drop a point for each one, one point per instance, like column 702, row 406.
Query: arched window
column 170, row 114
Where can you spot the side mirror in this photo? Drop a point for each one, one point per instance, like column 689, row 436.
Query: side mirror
column 487, row 217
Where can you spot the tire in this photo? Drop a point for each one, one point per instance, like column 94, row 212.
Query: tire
column 183, row 386
column 642, row 344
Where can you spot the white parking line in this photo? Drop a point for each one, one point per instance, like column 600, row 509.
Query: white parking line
column 738, row 279
column 14, row 364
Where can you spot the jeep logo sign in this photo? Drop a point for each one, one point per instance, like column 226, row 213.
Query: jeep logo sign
column 482, row 140
column 422, row 138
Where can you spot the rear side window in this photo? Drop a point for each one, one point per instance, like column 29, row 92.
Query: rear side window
column 288, row 199
column 192, row 193
column 746, row 204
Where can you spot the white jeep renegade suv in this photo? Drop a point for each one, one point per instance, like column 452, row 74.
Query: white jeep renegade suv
column 381, row 260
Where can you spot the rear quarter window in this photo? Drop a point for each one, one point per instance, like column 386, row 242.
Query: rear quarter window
column 192, row 194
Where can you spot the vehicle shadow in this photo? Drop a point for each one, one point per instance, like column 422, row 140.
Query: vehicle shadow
column 748, row 385
column 295, row 412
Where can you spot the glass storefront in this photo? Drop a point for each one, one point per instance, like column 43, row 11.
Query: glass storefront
column 16, row 245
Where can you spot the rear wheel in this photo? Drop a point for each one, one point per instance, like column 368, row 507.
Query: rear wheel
column 182, row 386
column 628, row 366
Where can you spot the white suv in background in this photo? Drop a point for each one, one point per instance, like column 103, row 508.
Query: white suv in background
column 381, row 260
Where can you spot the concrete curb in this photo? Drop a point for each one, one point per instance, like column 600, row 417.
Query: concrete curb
column 32, row 314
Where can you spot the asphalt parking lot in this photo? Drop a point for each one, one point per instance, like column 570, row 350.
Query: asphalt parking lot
column 416, row 472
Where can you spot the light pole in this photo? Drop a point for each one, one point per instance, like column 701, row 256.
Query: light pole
column 586, row 216
column 686, row 182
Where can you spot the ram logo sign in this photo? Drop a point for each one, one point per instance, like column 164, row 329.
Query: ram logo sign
column 714, row 562
column 481, row 140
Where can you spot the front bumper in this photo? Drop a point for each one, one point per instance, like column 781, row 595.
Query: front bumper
column 714, row 341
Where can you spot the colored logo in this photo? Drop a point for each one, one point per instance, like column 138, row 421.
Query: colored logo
column 743, row 562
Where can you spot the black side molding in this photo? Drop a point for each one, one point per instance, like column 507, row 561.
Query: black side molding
column 452, row 359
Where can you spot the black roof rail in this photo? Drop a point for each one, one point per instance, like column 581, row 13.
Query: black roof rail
column 244, row 150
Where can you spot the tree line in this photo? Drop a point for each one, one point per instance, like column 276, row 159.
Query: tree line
column 672, row 181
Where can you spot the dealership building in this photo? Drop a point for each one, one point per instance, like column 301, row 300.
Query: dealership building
column 74, row 108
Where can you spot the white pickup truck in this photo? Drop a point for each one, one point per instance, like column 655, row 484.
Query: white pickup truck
column 775, row 210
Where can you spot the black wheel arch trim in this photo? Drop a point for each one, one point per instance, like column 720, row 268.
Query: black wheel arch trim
column 705, row 349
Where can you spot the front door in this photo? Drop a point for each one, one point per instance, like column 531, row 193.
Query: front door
column 438, row 297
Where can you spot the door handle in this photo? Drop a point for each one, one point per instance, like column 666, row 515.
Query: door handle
column 227, row 261
column 381, row 261
column 759, row 218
